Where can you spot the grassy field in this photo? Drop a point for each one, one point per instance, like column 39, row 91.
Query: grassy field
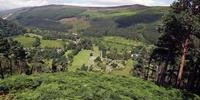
column 28, row 42
column 122, row 41
column 52, row 43
column 126, row 71
column 25, row 41
column 119, row 43
column 85, row 86
column 83, row 58
column 68, row 52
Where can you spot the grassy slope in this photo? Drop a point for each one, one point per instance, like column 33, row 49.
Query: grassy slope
column 121, row 40
column 83, row 58
column 28, row 41
column 126, row 71
column 52, row 43
column 25, row 41
column 76, row 23
column 68, row 52
column 85, row 86
column 119, row 43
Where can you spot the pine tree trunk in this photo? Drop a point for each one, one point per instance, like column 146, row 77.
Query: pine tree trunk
column 160, row 74
column 172, row 76
column 157, row 72
column 185, row 48
column 147, row 73
column 163, row 73
column 10, row 65
column 1, row 71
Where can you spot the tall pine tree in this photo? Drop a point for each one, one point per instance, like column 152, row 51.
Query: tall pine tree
column 180, row 30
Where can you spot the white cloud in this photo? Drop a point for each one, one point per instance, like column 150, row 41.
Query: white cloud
column 9, row 4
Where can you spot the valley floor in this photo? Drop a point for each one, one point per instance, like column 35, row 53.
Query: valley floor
column 85, row 86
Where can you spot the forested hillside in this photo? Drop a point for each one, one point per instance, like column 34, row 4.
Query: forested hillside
column 134, row 21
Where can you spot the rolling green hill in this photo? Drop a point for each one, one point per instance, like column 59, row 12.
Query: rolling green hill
column 86, row 86
column 134, row 21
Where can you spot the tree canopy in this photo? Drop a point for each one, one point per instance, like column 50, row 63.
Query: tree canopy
column 177, row 52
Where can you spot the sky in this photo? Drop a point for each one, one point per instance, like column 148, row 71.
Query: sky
column 11, row 4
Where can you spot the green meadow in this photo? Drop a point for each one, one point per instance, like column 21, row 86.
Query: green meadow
column 83, row 57
column 28, row 42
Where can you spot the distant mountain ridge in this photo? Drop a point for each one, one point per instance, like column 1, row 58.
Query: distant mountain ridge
column 18, row 10
column 131, row 21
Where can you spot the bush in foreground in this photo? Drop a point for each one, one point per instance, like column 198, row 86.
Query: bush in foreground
column 86, row 86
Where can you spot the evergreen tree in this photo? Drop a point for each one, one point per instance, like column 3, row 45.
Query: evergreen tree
column 8, row 28
column 11, row 51
column 176, row 45
column 36, row 43
column 4, row 48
